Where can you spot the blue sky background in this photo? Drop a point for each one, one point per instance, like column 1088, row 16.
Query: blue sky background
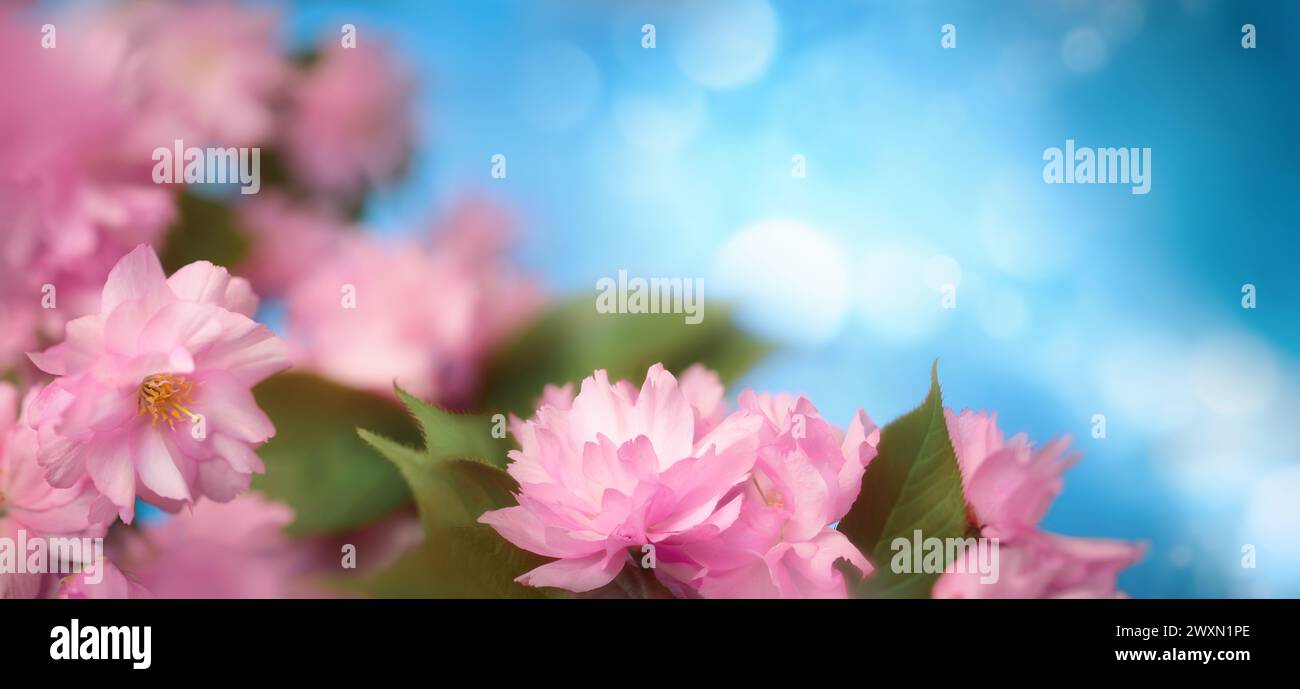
column 923, row 168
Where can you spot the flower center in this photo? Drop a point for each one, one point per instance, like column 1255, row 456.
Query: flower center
column 771, row 496
column 164, row 396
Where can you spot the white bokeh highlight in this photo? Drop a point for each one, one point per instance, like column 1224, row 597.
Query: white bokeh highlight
column 788, row 279
column 1234, row 374
column 1083, row 50
column 558, row 86
column 895, row 297
column 660, row 122
column 725, row 43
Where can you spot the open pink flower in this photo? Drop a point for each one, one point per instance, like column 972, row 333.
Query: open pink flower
column 620, row 468
column 423, row 314
column 1009, row 486
column 152, row 394
column 783, row 545
column 350, row 123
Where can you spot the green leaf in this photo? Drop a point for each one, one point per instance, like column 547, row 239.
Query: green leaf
column 634, row 582
column 447, row 491
column 452, row 435
column 455, row 478
column 570, row 341
column 454, row 562
column 914, row 483
column 317, row 464
column 206, row 230
column 458, row 475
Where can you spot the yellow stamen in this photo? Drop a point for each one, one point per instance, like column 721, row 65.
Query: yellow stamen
column 164, row 396
column 773, row 499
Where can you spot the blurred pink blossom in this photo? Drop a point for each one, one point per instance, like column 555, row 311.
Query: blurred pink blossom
column 236, row 549
column 1044, row 565
column 25, row 497
column 111, row 584
column 16, row 585
column 621, row 468
column 152, row 394
column 290, row 240
column 425, row 315
column 74, row 195
column 350, row 124
column 207, row 73
column 30, row 505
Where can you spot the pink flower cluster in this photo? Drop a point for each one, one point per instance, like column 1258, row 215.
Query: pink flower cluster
column 142, row 390
column 76, row 191
column 135, row 386
column 739, row 504
column 138, row 384
column 745, row 504
column 150, row 399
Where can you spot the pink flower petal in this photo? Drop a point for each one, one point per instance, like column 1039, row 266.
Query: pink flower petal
column 579, row 574
column 110, row 464
column 231, row 410
column 219, row 481
column 156, row 462
column 138, row 275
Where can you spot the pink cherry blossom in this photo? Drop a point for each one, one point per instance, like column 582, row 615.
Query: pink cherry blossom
column 1009, row 486
column 152, row 393
column 425, row 315
column 621, row 468
column 783, row 544
column 350, row 124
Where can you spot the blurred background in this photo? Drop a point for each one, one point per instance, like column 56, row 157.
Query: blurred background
column 924, row 168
